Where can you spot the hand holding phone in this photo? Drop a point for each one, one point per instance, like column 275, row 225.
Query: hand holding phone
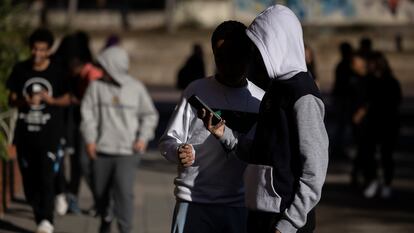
column 212, row 121
column 198, row 104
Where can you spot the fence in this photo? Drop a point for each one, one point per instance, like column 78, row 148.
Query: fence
column 10, row 179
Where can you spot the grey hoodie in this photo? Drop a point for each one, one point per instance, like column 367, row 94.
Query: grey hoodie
column 277, row 34
column 289, row 156
column 114, row 116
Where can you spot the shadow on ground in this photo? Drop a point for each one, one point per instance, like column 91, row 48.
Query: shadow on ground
column 158, row 165
column 399, row 209
column 6, row 226
column 20, row 212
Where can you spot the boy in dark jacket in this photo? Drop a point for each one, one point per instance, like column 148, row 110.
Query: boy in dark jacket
column 288, row 156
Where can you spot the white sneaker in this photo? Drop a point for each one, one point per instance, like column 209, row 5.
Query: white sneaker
column 371, row 189
column 61, row 205
column 386, row 192
column 45, row 227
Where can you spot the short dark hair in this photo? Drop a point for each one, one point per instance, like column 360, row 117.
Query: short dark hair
column 41, row 35
column 230, row 30
column 381, row 63
column 359, row 54
column 346, row 49
column 365, row 43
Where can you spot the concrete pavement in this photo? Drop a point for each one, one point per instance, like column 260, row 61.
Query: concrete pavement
column 154, row 203
column 341, row 210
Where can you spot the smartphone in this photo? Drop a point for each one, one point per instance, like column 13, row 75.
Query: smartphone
column 198, row 104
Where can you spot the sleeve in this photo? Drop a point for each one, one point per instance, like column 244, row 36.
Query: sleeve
column 338, row 81
column 62, row 81
column 313, row 147
column 90, row 114
column 397, row 93
column 358, row 96
column 229, row 139
column 239, row 143
column 148, row 117
column 177, row 131
column 12, row 81
column 65, row 85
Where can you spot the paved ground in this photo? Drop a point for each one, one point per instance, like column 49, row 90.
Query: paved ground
column 153, row 204
column 341, row 210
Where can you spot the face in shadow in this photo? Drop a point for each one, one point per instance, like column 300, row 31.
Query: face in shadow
column 258, row 73
column 359, row 66
column 232, row 61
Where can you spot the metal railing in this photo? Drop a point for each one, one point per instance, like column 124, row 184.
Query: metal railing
column 7, row 125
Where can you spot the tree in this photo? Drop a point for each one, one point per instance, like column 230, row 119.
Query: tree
column 12, row 49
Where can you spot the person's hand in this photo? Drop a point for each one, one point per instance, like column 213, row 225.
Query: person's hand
column 74, row 100
column 47, row 98
column 91, row 150
column 33, row 100
column 207, row 118
column 186, row 155
column 359, row 115
column 277, row 231
column 140, row 146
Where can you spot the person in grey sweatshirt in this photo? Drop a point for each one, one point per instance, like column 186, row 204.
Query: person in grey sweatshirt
column 209, row 185
column 288, row 157
column 118, row 120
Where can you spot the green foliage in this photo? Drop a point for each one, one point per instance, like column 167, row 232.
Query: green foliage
column 3, row 147
column 12, row 44
column 12, row 49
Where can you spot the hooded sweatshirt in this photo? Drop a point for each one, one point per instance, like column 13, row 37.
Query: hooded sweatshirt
column 216, row 175
column 116, row 114
column 288, row 157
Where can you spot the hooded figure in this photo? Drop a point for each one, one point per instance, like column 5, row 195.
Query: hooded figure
column 118, row 120
column 116, row 113
column 277, row 34
column 288, row 156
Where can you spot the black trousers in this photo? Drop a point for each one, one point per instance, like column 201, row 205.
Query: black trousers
column 386, row 141
column 265, row 222
column 76, row 163
column 192, row 217
column 37, row 169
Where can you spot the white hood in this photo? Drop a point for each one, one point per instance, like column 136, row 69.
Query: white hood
column 277, row 34
column 115, row 61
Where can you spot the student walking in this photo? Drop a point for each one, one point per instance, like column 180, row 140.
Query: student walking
column 383, row 126
column 39, row 90
column 75, row 54
column 341, row 95
column 360, row 101
column 118, row 120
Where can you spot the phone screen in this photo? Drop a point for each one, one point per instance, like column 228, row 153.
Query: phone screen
column 198, row 104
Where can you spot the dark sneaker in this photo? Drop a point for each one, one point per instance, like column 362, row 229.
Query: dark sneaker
column 73, row 205
column 105, row 227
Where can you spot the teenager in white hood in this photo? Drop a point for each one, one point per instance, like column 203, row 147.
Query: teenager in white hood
column 118, row 120
column 288, row 157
